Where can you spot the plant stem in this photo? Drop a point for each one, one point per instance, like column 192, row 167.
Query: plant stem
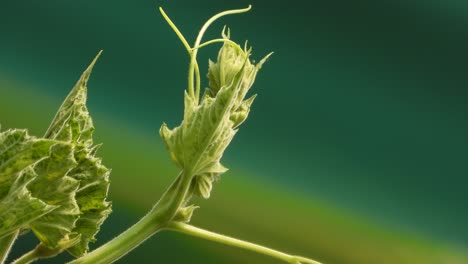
column 157, row 219
column 175, row 29
column 169, row 204
column 6, row 243
column 124, row 243
column 194, row 70
column 179, row 34
column 193, row 58
column 209, row 42
column 208, row 235
column 41, row 251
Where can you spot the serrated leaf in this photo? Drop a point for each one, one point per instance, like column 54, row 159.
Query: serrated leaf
column 91, row 197
column 200, row 140
column 18, row 208
column 19, row 153
column 73, row 123
column 198, row 144
column 53, row 186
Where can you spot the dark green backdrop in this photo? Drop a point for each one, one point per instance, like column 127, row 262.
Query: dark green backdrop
column 355, row 150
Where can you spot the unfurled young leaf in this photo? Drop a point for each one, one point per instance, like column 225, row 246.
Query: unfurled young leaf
column 73, row 124
column 198, row 144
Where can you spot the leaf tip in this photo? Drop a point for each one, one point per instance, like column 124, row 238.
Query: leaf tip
column 262, row 61
column 90, row 67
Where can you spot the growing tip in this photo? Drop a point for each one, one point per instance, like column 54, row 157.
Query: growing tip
column 163, row 13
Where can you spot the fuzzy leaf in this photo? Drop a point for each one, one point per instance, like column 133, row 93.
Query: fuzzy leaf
column 73, row 123
column 91, row 197
column 19, row 154
column 53, row 186
column 17, row 151
column 198, row 144
column 18, row 208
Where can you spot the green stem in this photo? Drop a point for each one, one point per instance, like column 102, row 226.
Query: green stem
column 175, row 29
column 157, row 219
column 209, row 42
column 208, row 235
column 166, row 208
column 194, row 70
column 125, row 242
column 193, row 60
column 179, row 34
column 6, row 243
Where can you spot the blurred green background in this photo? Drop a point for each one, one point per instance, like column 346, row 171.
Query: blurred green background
column 355, row 151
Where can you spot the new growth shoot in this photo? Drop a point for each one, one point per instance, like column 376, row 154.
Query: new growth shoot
column 196, row 146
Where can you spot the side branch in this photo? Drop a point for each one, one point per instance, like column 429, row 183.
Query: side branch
column 208, row 235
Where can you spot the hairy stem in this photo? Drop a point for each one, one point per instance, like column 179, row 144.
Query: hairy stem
column 6, row 243
column 208, row 235
column 125, row 242
column 157, row 219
